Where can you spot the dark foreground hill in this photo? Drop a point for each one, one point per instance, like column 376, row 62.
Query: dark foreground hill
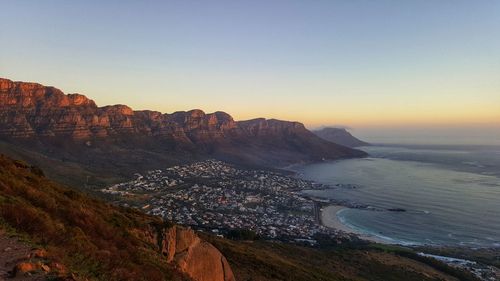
column 339, row 136
column 76, row 237
column 84, row 238
column 80, row 143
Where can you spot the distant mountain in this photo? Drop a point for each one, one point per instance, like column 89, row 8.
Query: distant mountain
column 340, row 136
column 106, row 144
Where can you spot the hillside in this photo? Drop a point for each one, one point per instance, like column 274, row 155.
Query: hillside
column 339, row 136
column 272, row 261
column 77, row 237
column 46, row 127
column 89, row 239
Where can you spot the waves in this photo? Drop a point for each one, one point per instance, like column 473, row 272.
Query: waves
column 415, row 202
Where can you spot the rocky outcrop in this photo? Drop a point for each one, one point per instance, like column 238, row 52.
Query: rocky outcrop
column 190, row 254
column 195, row 257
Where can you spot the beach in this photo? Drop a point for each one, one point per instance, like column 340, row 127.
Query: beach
column 329, row 219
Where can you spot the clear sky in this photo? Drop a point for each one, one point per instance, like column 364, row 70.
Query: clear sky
column 381, row 67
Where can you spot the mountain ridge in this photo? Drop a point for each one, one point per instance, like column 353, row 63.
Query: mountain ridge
column 94, row 121
column 71, row 128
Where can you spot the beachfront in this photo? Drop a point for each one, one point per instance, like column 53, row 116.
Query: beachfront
column 330, row 219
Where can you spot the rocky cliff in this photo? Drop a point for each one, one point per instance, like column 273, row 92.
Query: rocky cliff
column 33, row 110
column 72, row 128
column 190, row 254
column 194, row 256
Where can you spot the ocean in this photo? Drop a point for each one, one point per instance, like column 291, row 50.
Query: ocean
column 417, row 195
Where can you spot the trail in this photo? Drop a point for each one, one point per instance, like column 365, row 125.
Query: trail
column 11, row 252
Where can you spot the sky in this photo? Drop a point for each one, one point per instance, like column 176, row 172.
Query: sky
column 390, row 70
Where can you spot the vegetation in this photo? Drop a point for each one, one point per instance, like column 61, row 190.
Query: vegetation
column 411, row 254
column 99, row 241
column 93, row 239
column 242, row 234
column 265, row 261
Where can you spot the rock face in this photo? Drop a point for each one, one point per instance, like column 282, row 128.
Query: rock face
column 72, row 128
column 195, row 257
column 340, row 136
column 190, row 254
column 30, row 109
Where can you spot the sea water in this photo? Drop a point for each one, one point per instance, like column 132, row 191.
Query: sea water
column 435, row 195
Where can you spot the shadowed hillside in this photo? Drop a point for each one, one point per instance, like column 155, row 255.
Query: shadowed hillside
column 271, row 261
column 44, row 126
column 98, row 241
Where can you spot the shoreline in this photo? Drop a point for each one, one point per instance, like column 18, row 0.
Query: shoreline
column 329, row 219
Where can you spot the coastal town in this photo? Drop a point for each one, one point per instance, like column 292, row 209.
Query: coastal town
column 216, row 196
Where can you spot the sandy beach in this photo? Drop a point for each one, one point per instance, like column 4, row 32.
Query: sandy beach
column 329, row 219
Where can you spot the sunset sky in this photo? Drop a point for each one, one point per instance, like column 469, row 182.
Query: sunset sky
column 379, row 67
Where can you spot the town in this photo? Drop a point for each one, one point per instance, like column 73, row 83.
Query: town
column 216, row 196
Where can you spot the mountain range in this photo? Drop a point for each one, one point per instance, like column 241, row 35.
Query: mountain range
column 50, row 231
column 46, row 127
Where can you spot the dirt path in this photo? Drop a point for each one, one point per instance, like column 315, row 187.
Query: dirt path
column 11, row 252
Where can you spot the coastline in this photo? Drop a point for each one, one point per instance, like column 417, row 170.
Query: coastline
column 329, row 219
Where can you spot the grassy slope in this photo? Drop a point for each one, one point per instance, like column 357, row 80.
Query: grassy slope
column 93, row 239
column 101, row 242
column 104, row 163
column 270, row 261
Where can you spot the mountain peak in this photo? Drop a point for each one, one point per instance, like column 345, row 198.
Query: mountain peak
column 339, row 136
